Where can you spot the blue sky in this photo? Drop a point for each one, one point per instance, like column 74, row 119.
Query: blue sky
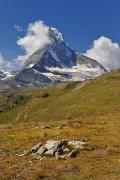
column 81, row 21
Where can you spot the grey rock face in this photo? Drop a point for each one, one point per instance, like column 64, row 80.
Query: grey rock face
column 91, row 63
column 30, row 77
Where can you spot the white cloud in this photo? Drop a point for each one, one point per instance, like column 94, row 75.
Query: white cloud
column 4, row 65
column 105, row 52
column 37, row 37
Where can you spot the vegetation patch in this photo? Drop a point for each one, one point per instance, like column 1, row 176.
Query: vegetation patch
column 13, row 101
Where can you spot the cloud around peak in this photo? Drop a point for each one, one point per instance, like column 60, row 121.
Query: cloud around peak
column 37, row 37
column 105, row 52
column 4, row 64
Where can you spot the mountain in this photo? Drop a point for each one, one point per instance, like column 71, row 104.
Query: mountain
column 56, row 63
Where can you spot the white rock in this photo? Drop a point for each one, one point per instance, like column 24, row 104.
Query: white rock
column 66, row 150
column 41, row 151
column 51, row 144
column 36, row 148
column 50, row 152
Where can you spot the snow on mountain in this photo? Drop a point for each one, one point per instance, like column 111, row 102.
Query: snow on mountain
column 7, row 76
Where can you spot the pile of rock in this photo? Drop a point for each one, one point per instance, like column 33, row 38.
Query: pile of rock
column 58, row 149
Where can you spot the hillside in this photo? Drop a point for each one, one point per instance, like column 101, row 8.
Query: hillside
column 89, row 110
column 96, row 98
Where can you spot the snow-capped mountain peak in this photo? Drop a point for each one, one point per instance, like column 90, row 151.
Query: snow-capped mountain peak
column 56, row 62
column 55, row 34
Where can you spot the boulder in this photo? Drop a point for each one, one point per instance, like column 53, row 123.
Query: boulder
column 27, row 153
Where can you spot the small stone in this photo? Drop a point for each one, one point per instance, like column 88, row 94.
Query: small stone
column 37, row 157
column 27, row 153
column 20, row 155
column 41, row 159
column 72, row 154
column 46, row 127
column 63, row 147
column 41, row 151
column 59, row 157
column 78, row 144
column 66, row 150
column 36, row 127
column 30, row 163
column 36, row 148
column 61, row 126
column 60, row 150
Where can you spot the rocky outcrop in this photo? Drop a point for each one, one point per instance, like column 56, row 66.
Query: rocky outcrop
column 60, row 149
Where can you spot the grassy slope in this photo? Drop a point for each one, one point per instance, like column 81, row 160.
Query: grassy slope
column 90, row 110
column 96, row 99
